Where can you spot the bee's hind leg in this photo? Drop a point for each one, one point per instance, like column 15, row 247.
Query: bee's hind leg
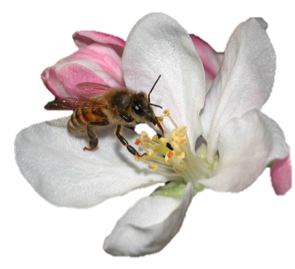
column 125, row 143
column 91, row 135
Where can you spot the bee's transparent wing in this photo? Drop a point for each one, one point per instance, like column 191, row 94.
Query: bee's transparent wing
column 90, row 89
column 74, row 103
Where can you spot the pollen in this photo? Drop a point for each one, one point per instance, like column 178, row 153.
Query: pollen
column 137, row 142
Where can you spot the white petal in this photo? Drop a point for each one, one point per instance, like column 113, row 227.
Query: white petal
column 158, row 45
column 149, row 225
column 246, row 146
column 247, row 76
column 60, row 171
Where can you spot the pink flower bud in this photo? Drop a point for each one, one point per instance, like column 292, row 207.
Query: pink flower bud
column 97, row 60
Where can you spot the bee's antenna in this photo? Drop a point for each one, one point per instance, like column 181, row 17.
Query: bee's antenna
column 155, row 105
column 151, row 92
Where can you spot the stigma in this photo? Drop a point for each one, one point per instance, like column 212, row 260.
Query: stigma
column 171, row 155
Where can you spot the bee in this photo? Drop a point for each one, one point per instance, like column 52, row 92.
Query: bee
column 108, row 106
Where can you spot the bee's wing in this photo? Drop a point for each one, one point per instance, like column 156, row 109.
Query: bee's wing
column 90, row 89
column 74, row 103
column 66, row 104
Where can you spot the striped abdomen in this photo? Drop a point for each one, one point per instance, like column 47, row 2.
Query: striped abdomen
column 82, row 116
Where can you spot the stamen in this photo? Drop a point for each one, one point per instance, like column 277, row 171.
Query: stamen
column 170, row 154
column 160, row 119
column 173, row 155
column 155, row 138
column 143, row 135
column 153, row 166
column 165, row 140
column 166, row 113
column 137, row 158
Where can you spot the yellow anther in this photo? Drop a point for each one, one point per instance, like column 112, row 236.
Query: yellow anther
column 166, row 113
column 180, row 131
column 155, row 138
column 143, row 135
column 152, row 153
column 161, row 118
column 174, row 134
column 144, row 145
column 147, row 140
column 145, row 157
column 168, row 159
column 153, row 166
column 165, row 140
column 137, row 158
column 176, row 147
column 182, row 141
column 180, row 156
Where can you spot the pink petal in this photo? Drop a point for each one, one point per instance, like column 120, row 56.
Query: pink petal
column 94, row 63
column 210, row 58
column 85, row 38
column 281, row 176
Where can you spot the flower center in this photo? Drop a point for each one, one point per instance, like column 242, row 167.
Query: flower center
column 171, row 155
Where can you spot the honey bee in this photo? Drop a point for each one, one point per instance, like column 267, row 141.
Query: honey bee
column 108, row 106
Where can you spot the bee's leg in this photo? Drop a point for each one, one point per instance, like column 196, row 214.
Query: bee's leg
column 92, row 137
column 125, row 143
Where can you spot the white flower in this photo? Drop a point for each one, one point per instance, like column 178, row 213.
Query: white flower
column 240, row 140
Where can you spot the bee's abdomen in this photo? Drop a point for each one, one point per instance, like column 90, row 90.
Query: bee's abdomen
column 78, row 121
column 81, row 117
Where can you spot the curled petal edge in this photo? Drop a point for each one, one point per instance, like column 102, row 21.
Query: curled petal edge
column 149, row 225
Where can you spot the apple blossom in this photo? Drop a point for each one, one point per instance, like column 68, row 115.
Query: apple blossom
column 235, row 140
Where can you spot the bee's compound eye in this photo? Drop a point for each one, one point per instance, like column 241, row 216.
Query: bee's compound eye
column 137, row 109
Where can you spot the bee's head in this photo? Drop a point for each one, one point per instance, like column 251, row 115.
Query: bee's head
column 142, row 108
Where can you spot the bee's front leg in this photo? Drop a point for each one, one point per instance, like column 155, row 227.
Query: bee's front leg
column 125, row 143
